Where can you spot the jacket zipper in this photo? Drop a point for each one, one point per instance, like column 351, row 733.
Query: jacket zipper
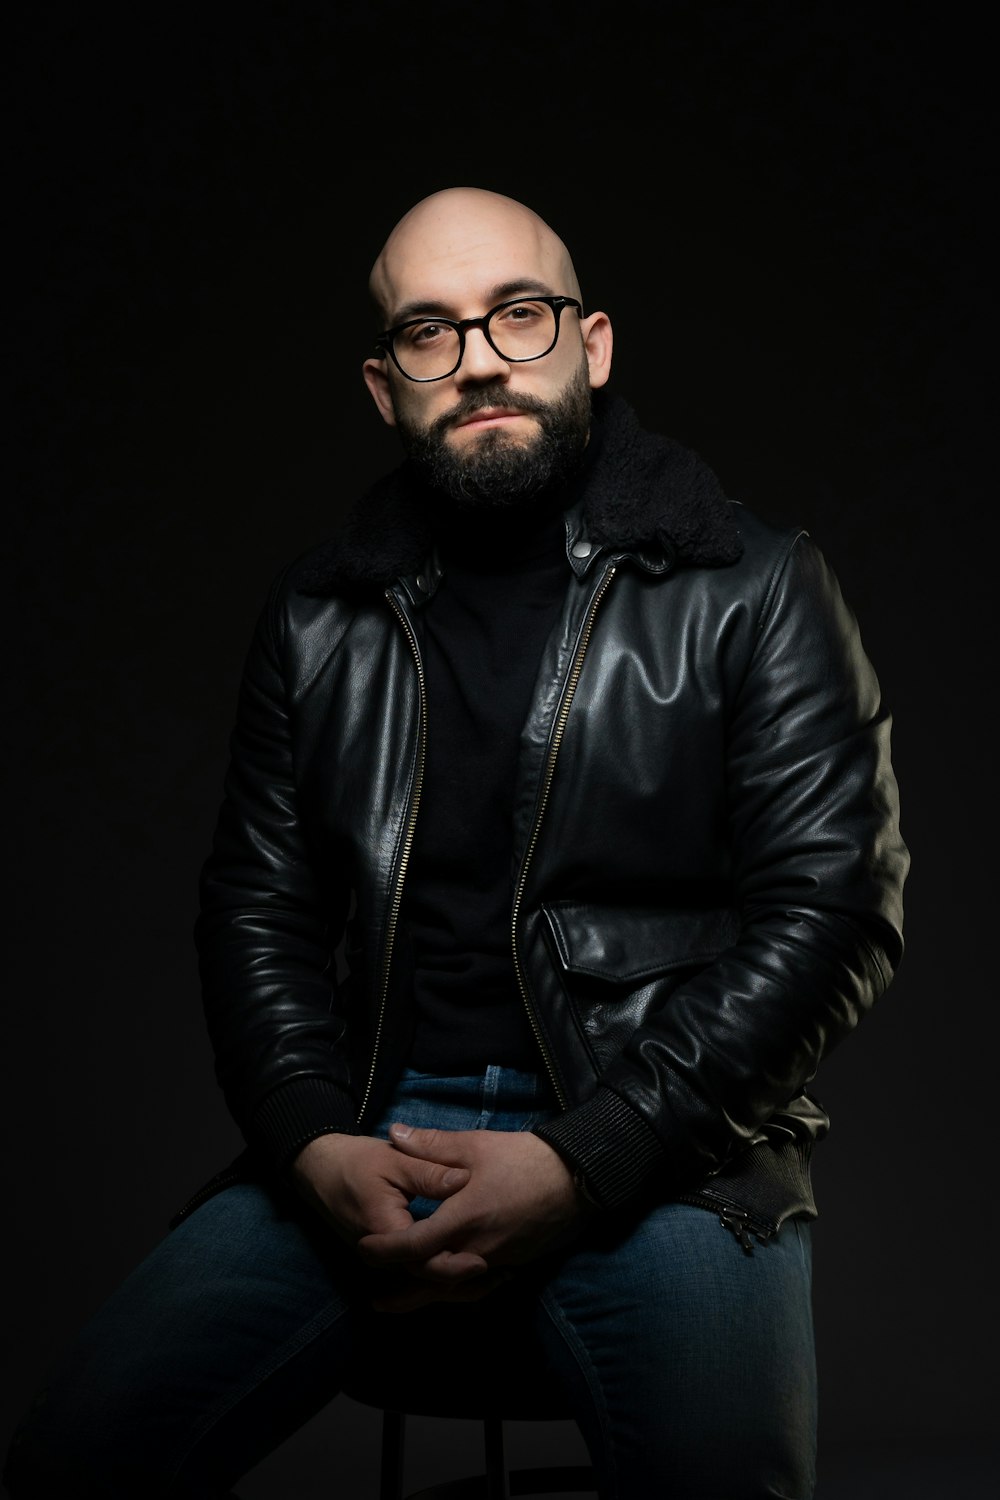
column 550, row 767
column 397, row 898
column 739, row 1221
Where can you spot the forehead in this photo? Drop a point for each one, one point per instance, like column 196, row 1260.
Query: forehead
column 456, row 259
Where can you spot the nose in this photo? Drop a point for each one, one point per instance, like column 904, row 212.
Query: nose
column 480, row 362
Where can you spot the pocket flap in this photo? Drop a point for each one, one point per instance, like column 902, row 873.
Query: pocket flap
column 618, row 943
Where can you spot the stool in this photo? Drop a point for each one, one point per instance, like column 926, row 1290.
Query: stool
column 492, row 1409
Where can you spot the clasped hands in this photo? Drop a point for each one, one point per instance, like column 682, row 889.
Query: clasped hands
column 505, row 1197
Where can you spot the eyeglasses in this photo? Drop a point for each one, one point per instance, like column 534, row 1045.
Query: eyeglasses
column 432, row 348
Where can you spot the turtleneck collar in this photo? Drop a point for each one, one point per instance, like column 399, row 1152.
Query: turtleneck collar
column 501, row 538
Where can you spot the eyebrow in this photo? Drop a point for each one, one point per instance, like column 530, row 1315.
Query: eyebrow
column 494, row 294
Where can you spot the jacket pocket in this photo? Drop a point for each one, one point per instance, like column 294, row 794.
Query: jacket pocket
column 617, row 964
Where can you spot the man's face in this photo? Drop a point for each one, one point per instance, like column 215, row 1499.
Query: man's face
column 476, row 453
column 494, row 432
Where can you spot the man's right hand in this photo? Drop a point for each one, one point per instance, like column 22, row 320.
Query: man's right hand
column 362, row 1185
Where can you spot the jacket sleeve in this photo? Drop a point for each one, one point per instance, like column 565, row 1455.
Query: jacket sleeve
column 818, row 868
column 263, row 933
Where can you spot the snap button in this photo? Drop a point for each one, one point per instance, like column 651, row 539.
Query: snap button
column 582, row 549
column 421, row 583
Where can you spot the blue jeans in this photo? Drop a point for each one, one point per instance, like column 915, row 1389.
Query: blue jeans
column 689, row 1364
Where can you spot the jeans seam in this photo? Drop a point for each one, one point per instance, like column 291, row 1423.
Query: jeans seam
column 488, row 1086
column 320, row 1323
column 588, row 1370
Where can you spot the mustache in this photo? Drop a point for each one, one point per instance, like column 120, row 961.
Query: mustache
column 481, row 400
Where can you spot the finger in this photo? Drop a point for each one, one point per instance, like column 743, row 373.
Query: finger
column 422, row 1240
column 450, row 1267
column 435, row 1145
column 430, row 1179
column 385, row 1217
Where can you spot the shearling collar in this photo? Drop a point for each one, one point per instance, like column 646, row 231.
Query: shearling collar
column 644, row 489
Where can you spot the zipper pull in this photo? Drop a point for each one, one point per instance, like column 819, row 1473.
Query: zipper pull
column 738, row 1223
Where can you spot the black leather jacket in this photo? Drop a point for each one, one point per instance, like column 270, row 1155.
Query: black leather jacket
column 708, row 864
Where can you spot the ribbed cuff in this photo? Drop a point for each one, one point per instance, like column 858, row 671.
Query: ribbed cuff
column 296, row 1113
column 613, row 1151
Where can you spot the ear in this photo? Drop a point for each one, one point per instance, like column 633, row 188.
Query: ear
column 376, row 373
column 597, row 341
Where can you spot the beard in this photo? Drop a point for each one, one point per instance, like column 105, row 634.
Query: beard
column 502, row 470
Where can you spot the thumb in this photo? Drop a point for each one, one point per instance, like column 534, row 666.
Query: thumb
column 432, row 1145
column 432, row 1179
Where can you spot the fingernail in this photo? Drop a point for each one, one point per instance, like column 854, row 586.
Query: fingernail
column 401, row 1132
column 453, row 1177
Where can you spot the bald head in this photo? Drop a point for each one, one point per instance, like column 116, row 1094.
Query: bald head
column 467, row 242
column 460, row 256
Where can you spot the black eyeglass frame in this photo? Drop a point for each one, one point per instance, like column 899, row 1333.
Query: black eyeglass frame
column 385, row 341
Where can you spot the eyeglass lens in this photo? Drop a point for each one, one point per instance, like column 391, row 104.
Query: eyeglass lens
column 523, row 330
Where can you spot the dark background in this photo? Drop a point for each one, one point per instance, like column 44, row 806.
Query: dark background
column 782, row 208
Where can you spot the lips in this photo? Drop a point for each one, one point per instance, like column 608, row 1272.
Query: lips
column 490, row 414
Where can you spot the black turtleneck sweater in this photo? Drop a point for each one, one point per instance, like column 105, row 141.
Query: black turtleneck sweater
column 504, row 580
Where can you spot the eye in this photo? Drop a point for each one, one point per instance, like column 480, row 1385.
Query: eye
column 522, row 313
column 419, row 335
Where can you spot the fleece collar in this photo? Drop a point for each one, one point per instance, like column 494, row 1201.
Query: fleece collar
column 646, row 494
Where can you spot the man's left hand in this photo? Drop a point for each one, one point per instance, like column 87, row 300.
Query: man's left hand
column 520, row 1200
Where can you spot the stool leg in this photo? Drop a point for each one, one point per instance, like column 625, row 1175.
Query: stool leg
column 497, row 1487
column 393, row 1432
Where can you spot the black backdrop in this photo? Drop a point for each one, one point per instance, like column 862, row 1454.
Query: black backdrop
column 781, row 207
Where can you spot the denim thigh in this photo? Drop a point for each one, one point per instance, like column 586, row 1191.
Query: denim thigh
column 691, row 1362
column 224, row 1340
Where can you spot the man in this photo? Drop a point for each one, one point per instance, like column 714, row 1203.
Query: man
column 589, row 765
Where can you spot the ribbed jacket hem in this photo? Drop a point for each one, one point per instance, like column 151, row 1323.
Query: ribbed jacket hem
column 609, row 1145
column 769, row 1181
column 296, row 1113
